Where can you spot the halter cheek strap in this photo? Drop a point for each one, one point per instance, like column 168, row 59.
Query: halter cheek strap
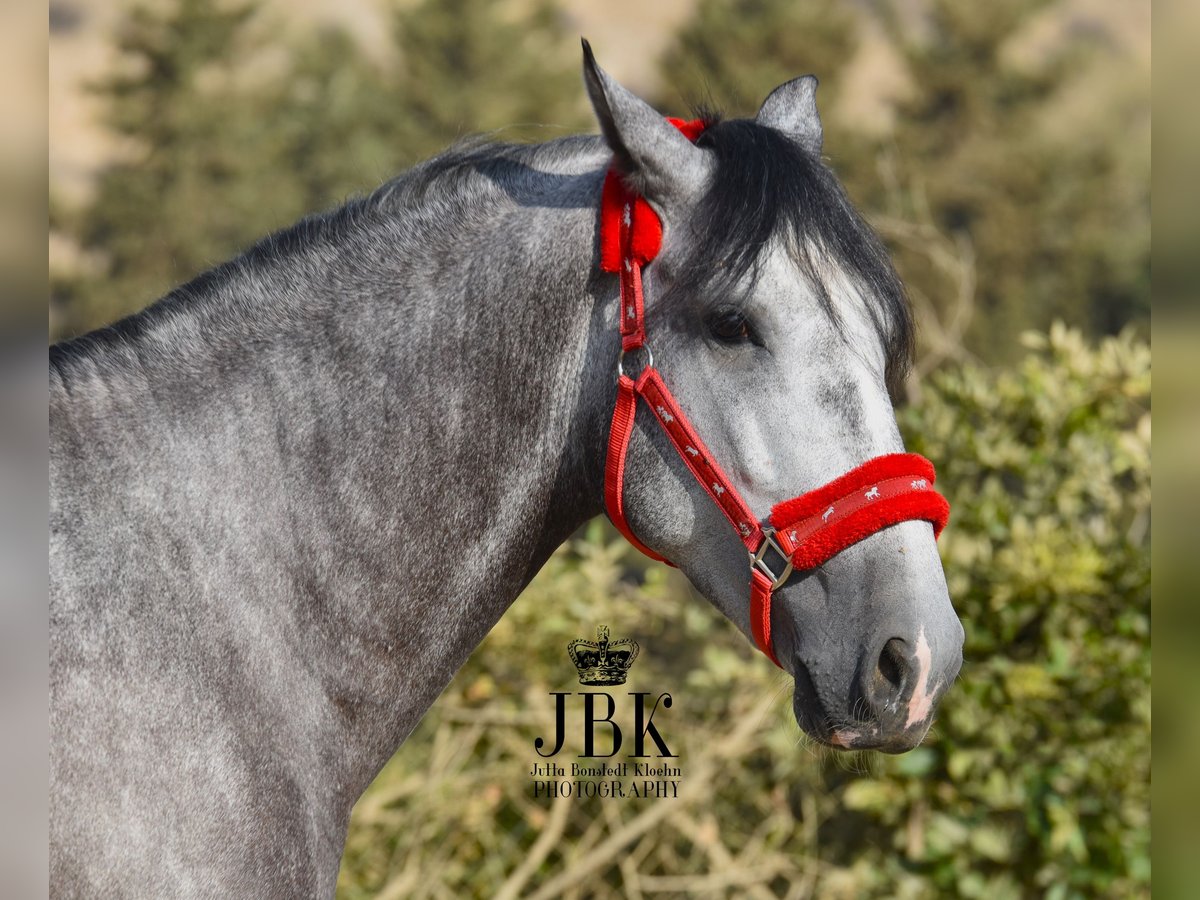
column 803, row 532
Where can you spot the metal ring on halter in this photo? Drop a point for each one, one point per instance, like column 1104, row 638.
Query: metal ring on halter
column 757, row 560
column 621, row 359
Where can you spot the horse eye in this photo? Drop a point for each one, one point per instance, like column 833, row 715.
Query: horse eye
column 731, row 327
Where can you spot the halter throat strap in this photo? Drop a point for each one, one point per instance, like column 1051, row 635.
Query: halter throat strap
column 801, row 533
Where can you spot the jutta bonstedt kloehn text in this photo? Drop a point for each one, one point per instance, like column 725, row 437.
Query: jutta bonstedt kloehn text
column 621, row 781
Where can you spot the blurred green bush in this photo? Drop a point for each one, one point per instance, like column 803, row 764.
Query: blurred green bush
column 1034, row 781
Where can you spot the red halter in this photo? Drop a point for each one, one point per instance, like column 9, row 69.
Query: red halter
column 803, row 532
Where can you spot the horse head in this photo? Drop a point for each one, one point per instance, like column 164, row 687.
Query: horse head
column 776, row 318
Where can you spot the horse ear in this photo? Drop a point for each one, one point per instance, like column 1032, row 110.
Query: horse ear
column 792, row 109
column 656, row 159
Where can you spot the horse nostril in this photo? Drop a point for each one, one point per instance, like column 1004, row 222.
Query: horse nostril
column 886, row 683
column 891, row 671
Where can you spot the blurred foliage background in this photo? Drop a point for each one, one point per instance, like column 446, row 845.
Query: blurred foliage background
column 1003, row 151
column 1034, row 782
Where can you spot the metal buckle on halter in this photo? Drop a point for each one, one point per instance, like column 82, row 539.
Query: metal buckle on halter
column 758, row 560
column 621, row 359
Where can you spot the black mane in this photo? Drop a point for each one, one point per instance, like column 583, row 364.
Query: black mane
column 766, row 184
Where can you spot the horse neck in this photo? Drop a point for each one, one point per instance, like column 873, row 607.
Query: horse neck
column 398, row 438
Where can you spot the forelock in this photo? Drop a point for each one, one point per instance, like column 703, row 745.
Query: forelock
column 767, row 188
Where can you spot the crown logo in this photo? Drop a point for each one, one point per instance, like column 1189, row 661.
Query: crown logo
column 603, row 662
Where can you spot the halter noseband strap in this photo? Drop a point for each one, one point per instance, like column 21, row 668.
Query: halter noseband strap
column 802, row 532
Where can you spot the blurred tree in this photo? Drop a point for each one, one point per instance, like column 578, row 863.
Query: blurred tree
column 226, row 144
column 1054, row 233
column 153, row 216
column 478, row 65
column 733, row 53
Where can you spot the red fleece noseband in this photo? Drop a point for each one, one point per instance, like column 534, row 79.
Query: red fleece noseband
column 883, row 491
column 805, row 531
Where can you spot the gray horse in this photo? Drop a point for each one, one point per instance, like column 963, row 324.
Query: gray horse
column 290, row 498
